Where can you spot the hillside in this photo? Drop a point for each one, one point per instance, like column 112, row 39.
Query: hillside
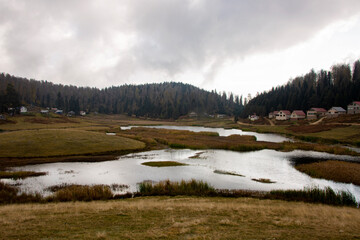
column 164, row 100
column 325, row 89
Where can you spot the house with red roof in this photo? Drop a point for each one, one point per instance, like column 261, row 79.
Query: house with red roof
column 354, row 108
column 283, row 115
column 315, row 113
column 297, row 114
column 273, row 114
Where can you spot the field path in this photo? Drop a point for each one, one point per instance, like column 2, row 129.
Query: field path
column 318, row 121
column 271, row 122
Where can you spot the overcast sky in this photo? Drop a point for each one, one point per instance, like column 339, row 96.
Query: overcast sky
column 242, row 46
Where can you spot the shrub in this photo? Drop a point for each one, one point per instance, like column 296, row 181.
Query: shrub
column 190, row 188
column 315, row 195
column 82, row 193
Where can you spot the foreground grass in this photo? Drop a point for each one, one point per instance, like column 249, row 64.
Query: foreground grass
column 61, row 142
column 179, row 218
column 338, row 171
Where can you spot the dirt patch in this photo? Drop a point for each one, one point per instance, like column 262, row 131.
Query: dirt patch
column 345, row 118
column 49, row 120
column 312, row 128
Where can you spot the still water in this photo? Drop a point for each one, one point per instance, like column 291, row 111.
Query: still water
column 267, row 137
column 128, row 169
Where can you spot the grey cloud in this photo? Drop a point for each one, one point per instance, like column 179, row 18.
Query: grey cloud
column 66, row 40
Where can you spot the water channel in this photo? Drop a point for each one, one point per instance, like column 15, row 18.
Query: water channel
column 201, row 165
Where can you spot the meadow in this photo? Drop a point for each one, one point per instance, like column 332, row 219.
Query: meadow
column 179, row 218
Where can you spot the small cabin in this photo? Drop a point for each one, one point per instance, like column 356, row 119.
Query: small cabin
column 58, row 111
column 44, row 111
column 335, row 112
column 193, row 114
column 283, row 115
column 23, row 109
column 273, row 114
column 297, row 114
column 315, row 113
column 354, row 108
column 253, row 117
column 82, row 113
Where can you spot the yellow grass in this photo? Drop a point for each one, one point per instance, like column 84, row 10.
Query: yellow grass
column 179, row 218
column 61, row 142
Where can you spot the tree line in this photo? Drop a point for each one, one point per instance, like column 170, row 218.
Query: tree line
column 337, row 87
column 163, row 100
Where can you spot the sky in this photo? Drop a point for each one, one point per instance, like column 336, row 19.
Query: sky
column 238, row 46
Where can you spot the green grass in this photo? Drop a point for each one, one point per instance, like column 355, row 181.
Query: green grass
column 62, row 142
column 20, row 174
column 163, row 164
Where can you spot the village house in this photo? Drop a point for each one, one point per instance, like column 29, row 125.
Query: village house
column 71, row 113
column 315, row 113
column 335, row 112
column 273, row 114
column 283, row 115
column 193, row 114
column 297, row 114
column 253, row 117
column 23, row 109
column 353, row 108
column 44, row 111
column 82, row 113
column 220, row 115
column 59, row 111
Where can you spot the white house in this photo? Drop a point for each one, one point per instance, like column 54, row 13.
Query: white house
column 353, row 108
column 23, row 109
column 82, row 113
column 44, row 111
column 297, row 114
column 283, row 115
column 335, row 112
column 254, row 117
column 273, row 114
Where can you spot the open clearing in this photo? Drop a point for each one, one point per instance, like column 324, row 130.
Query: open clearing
column 179, row 218
column 61, row 142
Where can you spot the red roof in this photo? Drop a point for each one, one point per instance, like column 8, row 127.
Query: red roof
column 286, row 112
column 319, row 109
column 299, row 112
column 357, row 102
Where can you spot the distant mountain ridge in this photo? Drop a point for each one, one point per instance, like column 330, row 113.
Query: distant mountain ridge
column 325, row 89
column 162, row 100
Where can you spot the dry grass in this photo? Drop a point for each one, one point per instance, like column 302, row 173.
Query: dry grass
column 61, row 142
column 179, row 218
column 20, row 174
column 338, row 171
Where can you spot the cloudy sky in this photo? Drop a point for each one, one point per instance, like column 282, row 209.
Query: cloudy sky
column 243, row 46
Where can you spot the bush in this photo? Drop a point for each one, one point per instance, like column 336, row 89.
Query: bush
column 82, row 193
column 189, row 188
column 315, row 195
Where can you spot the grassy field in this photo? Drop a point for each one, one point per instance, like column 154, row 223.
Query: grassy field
column 179, row 218
column 333, row 170
column 60, row 142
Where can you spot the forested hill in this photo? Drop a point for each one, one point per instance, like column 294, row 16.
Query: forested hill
column 326, row 89
column 164, row 100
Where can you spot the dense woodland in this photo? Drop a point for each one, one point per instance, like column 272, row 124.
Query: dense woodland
column 325, row 89
column 164, row 100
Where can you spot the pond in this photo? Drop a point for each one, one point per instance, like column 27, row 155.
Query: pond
column 267, row 137
column 201, row 165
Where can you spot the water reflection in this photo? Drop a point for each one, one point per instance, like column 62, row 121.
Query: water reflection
column 128, row 170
